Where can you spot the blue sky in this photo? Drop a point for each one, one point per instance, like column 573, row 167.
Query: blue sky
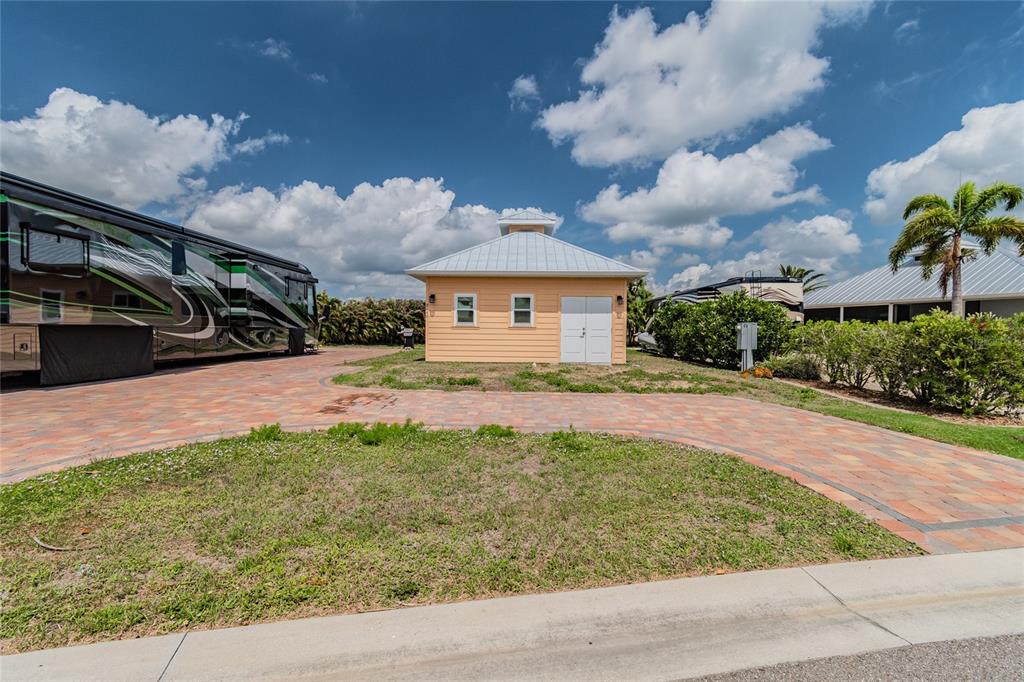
column 365, row 138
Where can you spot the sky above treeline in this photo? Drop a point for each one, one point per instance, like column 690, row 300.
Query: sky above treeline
column 696, row 140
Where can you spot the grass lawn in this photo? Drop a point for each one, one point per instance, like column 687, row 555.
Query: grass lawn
column 645, row 373
column 283, row 525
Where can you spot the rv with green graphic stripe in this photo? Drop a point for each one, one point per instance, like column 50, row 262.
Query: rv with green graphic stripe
column 91, row 291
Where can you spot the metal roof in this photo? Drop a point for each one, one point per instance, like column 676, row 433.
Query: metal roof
column 1000, row 275
column 523, row 254
column 527, row 217
column 713, row 289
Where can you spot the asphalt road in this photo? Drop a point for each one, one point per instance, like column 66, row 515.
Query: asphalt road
column 993, row 659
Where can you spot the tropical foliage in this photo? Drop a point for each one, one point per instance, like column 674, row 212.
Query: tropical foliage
column 812, row 280
column 706, row 331
column 937, row 228
column 638, row 308
column 368, row 320
column 974, row 365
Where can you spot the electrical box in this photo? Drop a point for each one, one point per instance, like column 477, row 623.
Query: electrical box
column 746, row 336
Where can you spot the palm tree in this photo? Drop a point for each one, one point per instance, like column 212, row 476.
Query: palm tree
column 937, row 228
column 812, row 280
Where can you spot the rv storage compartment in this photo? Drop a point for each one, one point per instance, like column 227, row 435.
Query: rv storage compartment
column 73, row 353
column 296, row 341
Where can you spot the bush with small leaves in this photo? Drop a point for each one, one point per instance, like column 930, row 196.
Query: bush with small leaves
column 347, row 430
column 266, row 432
column 794, row 365
column 495, row 431
column 388, row 433
column 706, row 331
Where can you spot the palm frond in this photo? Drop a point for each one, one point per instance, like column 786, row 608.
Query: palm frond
column 932, row 226
column 924, row 202
column 990, row 231
column 793, row 271
column 815, row 282
column 964, row 198
column 995, row 194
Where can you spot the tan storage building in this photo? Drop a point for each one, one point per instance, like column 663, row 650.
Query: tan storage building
column 526, row 297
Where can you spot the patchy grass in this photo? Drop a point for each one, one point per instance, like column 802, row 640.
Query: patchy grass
column 642, row 374
column 368, row 517
column 645, row 373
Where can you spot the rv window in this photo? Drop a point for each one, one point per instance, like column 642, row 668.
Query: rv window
column 52, row 308
column 296, row 290
column 56, row 251
column 311, row 300
column 123, row 299
column 177, row 258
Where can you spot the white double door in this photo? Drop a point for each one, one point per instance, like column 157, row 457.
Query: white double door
column 587, row 329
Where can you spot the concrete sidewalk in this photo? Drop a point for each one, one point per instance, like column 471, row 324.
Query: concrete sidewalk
column 655, row 631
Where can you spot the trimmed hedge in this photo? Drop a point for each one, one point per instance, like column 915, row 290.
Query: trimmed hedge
column 974, row 365
column 706, row 331
column 368, row 320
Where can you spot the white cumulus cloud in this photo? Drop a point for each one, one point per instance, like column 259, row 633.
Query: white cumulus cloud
column 988, row 147
column 116, row 152
column 524, row 92
column 707, row 235
column 649, row 92
column 255, row 145
column 357, row 244
column 819, row 243
column 693, row 189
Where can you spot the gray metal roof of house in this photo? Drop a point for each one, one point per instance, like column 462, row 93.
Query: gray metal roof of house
column 1000, row 275
column 527, row 217
column 523, row 254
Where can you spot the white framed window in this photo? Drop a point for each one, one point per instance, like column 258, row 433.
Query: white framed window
column 521, row 314
column 51, row 308
column 465, row 310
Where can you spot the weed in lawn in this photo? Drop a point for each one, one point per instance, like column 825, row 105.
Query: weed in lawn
column 495, row 431
column 265, row 433
column 389, row 433
column 568, row 442
column 346, row 430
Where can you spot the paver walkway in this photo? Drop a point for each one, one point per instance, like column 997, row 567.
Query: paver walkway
column 945, row 498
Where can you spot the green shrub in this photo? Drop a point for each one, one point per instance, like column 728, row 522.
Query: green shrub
column 840, row 349
column 706, row 331
column 346, row 430
column 462, row 381
column 795, row 365
column 495, row 431
column 388, row 433
column 891, row 357
column 369, row 320
column 266, row 432
column 973, row 364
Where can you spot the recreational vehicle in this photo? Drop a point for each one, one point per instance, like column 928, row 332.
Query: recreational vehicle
column 91, row 291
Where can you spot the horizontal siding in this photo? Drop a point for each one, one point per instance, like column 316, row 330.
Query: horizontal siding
column 494, row 339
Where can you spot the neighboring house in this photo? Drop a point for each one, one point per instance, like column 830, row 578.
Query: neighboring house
column 788, row 292
column 526, row 297
column 991, row 284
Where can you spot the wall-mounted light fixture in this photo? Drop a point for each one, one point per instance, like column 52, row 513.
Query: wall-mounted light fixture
column 431, row 298
column 619, row 299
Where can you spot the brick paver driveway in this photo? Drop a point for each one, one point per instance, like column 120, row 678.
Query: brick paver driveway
column 945, row 498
